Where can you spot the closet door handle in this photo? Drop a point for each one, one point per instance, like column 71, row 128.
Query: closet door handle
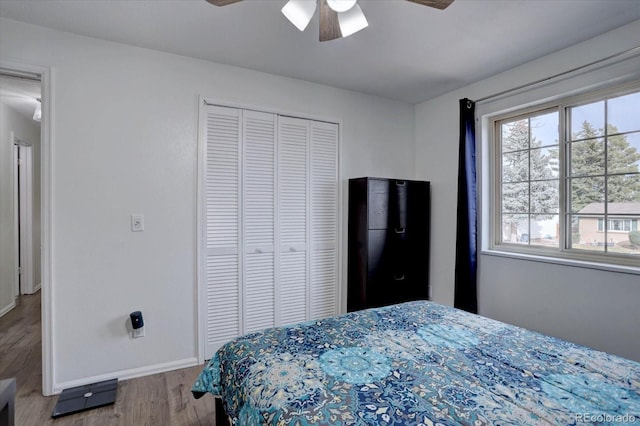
column 400, row 230
column 398, row 277
column 258, row 250
column 292, row 249
column 401, row 182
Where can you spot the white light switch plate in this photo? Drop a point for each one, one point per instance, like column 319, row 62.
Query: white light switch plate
column 137, row 222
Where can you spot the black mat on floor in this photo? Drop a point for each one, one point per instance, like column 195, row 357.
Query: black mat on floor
column 81, row 398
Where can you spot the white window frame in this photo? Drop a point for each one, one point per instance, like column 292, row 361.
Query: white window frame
column 562, row 254
column 527, row 114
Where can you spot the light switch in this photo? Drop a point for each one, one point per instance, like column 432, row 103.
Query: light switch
column 137, row 222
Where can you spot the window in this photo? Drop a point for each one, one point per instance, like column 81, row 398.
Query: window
column 620, row 225
column 563, row 171
column 530, row 180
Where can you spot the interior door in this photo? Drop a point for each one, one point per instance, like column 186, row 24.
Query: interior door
column 293, row 164
column 24, row 216
column 222, row 226
column 270, row 220
column 324, row 219
column 259, row 177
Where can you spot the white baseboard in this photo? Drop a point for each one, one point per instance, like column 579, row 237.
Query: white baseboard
column 7, row 308
column 34, row 290
column 128, row 374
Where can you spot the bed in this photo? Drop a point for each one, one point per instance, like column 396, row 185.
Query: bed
column 417, row 363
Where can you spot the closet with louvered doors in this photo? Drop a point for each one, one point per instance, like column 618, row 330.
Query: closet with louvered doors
column 270, row 213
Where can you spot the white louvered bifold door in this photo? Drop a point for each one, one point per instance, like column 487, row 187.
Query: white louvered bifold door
column 271, row 222
column 293, row 149
column 222, row 208
column 259, row 177
column 324, row 219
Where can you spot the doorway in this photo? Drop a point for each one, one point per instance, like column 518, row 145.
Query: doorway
column 25, row 207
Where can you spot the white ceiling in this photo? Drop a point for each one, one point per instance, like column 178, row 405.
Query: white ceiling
column 409, row 52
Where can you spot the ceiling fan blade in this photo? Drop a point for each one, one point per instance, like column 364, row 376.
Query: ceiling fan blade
column 438, row 4
column 299, row 12
column 352, row 21
column 222, row 2
column 329, row 24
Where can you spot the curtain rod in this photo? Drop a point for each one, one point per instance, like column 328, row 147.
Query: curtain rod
column 572, row 70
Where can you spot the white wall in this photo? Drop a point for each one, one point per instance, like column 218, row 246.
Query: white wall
column 27, row 130
column 7, row 251
column 124, row 135
column 594, row 308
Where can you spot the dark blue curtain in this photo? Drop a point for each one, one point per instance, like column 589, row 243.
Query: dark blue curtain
column 467, row 222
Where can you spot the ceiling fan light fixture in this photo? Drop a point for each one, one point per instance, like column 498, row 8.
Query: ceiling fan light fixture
column 341, row 5
column 338, row 18
column 299, row 12
column 37, row 113
column 352, row 21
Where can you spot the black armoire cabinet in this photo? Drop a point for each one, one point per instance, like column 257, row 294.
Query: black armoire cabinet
column 388, row 242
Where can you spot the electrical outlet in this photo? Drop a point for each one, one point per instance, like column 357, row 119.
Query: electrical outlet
column 137, row 222
column 139, row 332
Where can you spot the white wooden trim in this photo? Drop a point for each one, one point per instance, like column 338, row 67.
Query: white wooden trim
column 16, row 217
column 47, row 233
column 200, row 232
column 8, row 308
column 129, row 374
column 272, row 110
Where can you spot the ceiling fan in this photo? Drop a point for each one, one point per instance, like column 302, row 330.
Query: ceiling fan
column 338, row 18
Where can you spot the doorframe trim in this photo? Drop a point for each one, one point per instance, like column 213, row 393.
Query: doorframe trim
column 16, row 218
column 46, row 207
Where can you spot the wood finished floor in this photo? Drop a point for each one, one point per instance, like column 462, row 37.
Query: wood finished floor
column 160, row 399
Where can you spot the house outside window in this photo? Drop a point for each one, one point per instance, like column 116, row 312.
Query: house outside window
column 566, row 169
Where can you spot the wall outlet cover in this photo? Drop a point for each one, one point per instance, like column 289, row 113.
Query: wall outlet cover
column 137, row 222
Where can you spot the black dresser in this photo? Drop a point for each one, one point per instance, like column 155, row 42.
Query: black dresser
column 388, row 242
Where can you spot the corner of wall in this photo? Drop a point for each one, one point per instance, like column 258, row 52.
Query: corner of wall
column 6, row 309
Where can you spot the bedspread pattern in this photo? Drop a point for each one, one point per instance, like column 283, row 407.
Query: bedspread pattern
column 417, row 363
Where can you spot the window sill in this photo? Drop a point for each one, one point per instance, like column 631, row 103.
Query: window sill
column 576, row 263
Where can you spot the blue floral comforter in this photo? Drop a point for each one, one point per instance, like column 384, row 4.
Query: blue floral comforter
column 418, row 363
